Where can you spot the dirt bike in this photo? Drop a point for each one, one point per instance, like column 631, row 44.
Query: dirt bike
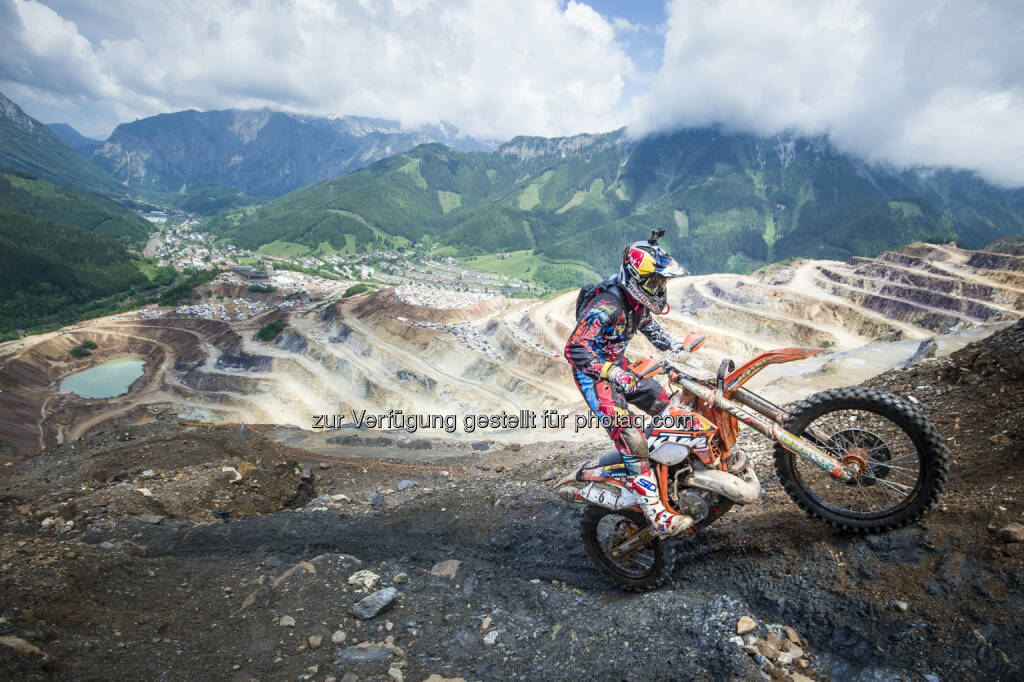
column 858, row 458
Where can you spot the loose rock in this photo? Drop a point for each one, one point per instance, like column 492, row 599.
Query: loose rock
column 767, row 649
column 1000, row 440
column 374, row 604
column 22, row 647
column 365, row 579
column 446, row 569
column 286, row 621
column 236, row 477
column 1012, row 532
column 245, row 468
column 359, row 654
column 746, row 624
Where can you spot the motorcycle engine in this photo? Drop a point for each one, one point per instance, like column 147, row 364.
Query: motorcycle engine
column 696, row 503
column 692, row 502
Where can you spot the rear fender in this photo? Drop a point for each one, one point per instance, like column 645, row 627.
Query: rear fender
column 605, row 492
column 743, row 374
column 569, row 479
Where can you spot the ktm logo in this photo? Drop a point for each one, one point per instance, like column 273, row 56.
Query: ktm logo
column 698, row 443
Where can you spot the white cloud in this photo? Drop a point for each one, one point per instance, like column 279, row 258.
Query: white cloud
column 912, row 83
column 494, row 68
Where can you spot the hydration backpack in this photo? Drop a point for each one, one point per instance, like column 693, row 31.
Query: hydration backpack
column 589, row 291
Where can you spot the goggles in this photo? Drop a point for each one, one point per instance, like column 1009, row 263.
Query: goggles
column 653, row 284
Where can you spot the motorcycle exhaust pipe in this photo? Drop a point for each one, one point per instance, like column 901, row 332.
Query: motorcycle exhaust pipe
column 744, row 490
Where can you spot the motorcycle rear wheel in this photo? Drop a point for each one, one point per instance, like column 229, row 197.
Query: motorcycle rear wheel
column 903, row 462
column 644, row 569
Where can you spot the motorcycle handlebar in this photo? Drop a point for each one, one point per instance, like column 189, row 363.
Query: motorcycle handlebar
column 662, row 363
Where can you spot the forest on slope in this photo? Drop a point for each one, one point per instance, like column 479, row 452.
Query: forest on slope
column 729, row 202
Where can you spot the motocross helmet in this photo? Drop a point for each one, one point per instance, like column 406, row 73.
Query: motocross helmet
column 646, row 268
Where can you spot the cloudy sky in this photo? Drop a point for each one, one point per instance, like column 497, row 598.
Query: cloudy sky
column 910, row 82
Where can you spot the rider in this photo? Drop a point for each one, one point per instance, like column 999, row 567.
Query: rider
column 622, row 305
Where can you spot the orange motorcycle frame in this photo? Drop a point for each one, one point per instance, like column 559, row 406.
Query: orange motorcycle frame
column 728, row 404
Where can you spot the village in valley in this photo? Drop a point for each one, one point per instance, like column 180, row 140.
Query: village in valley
column 181, row 243
column 419, row 279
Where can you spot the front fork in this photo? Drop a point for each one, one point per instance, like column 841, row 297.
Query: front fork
column 768, row 426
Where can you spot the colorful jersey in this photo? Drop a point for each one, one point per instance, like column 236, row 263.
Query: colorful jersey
column 605, row 326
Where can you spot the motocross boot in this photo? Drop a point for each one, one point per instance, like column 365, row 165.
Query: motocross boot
column 663, row 522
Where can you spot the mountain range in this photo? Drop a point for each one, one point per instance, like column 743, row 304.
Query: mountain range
column 263, row 152
column 730, row 202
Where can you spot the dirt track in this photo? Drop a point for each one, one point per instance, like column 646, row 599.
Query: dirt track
column 193, row 595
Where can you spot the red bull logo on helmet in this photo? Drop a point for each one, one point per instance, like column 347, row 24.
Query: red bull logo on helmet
column 642, row 261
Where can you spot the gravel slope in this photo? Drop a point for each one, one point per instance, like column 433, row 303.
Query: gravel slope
column 202, row 592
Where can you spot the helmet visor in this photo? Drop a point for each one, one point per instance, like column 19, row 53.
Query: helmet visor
column 653, row 284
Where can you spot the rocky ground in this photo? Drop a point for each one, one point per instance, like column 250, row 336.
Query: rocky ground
column 185, row 552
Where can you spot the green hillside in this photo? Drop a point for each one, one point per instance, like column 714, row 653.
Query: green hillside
column 729, row 202
column 54, row 274
column 20, row 192
column 392, row 202
column 28, row 145
column 205, row 200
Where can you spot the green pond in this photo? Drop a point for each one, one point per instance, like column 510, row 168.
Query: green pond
column 110, row 379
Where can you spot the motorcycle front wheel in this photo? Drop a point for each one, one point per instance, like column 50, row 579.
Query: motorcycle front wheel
column 646, row 568
column 901, row 461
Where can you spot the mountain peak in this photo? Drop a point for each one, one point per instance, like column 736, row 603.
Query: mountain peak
column 526, row 147
column 74, row 139
column 264, row 152
column 13, row 113
column 28, row 145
